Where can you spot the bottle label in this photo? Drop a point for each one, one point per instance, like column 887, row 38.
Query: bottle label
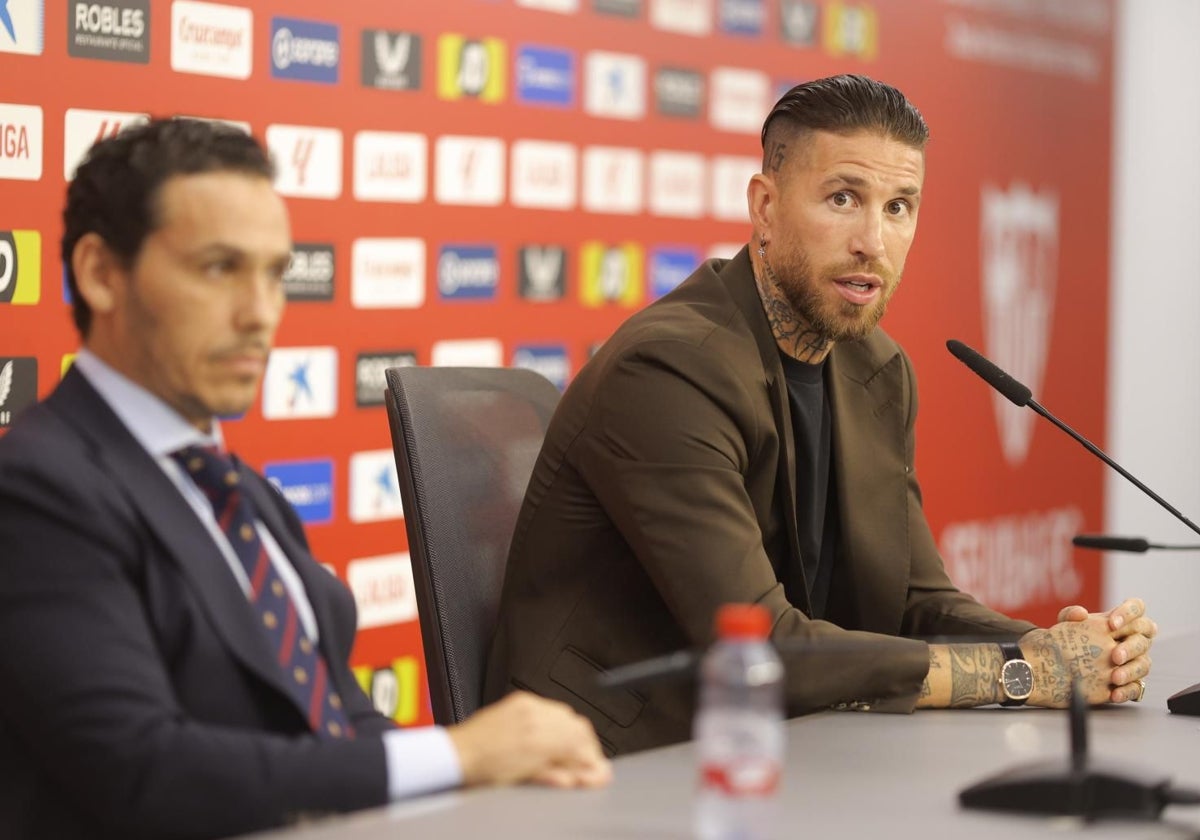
column 741, row 777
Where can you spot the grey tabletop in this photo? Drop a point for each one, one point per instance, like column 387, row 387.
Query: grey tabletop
column 847, row 775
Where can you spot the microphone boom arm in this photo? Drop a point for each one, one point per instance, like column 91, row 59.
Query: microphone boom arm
column 1095, row 450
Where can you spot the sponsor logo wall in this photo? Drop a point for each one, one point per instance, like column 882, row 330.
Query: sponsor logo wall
column 503, row 182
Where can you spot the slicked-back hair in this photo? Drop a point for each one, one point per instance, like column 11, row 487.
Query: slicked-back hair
column 116, row 189
column 843, row 105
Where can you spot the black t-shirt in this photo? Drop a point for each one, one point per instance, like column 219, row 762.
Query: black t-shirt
column 816, row 504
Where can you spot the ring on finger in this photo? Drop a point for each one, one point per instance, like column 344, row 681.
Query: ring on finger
column 1141, row 690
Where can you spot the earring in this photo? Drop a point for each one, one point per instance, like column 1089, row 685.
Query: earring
column 762, row 247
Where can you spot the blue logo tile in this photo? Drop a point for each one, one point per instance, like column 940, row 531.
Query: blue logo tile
column 669, row 267
column 545, row 76
column 307, row 485
column 468, row 272
column 305, row 50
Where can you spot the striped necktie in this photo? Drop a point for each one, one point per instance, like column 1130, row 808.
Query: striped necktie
column 304, row 669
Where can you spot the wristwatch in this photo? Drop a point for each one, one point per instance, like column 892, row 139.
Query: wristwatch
column 1016, row 675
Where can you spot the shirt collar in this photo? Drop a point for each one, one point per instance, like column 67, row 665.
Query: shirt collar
column 157, row 427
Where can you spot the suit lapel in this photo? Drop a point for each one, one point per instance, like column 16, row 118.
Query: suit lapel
column 167, row 514
column 738, row 276
column 866, row 395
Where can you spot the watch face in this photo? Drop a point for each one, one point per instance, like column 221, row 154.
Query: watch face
column 1017, row 678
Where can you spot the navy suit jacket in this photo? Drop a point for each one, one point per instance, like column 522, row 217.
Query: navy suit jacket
column 138, row 696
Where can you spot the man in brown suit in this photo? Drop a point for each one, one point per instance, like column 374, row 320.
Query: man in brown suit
column 749, row 438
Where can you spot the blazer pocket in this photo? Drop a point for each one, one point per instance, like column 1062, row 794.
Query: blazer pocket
column 575, row 672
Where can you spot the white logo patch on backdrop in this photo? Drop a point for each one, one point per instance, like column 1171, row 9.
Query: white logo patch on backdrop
column 1019, row 267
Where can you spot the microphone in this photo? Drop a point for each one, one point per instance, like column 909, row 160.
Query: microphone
column 1137, row 545
column 1186, row 702
column 1019, row 395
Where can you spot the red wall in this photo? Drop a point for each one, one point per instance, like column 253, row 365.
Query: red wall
column 1019, row 103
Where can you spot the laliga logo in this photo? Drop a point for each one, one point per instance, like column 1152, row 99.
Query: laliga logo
column 1019, row 253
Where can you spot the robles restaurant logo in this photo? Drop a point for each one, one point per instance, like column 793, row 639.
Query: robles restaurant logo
column 112, row 31
column 1019, row 268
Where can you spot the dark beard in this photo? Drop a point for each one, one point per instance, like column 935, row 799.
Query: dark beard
column 844, row 321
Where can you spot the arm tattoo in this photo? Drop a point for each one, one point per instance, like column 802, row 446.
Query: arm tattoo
column 974, row 675
column 935, row 664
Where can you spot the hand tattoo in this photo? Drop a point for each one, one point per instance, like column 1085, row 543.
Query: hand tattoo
column 1064, row 653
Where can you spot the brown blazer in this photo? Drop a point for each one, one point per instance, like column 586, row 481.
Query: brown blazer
column 666, row 487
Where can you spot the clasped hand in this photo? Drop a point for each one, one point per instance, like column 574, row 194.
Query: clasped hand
column 1107, row 652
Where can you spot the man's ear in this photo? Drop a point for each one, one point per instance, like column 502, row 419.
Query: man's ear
column 99, row 275
column 761, row 198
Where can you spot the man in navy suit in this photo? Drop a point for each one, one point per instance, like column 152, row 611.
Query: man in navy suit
column 153, row 680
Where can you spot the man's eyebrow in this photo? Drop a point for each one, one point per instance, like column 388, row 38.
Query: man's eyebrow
column 859, row 182
column 218, row 248
column 214, row 247
column 848, row 180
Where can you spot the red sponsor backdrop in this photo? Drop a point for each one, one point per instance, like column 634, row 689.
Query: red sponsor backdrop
column 1011, row 257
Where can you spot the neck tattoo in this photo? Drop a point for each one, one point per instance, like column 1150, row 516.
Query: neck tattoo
column 795, row 336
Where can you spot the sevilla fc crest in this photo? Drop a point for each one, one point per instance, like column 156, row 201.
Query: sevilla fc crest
column 1019, row 256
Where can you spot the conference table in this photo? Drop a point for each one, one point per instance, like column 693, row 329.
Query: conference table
column 848, row 774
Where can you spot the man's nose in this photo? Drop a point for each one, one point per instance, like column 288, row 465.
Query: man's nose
column 868, row 238
column 260, row 305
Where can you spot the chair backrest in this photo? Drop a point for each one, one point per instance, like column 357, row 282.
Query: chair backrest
column 465, row 441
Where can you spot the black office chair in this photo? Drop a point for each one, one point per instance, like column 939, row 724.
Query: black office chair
column 465, row 441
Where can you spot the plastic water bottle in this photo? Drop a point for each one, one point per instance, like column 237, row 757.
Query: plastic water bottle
column 739, row 730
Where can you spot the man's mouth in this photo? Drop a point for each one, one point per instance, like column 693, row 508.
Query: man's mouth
column 859, row 288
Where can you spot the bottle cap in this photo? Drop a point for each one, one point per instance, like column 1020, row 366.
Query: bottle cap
column 743, row 621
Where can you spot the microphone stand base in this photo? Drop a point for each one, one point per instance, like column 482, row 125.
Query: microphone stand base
column 1057, row 788
column 1186, row 702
